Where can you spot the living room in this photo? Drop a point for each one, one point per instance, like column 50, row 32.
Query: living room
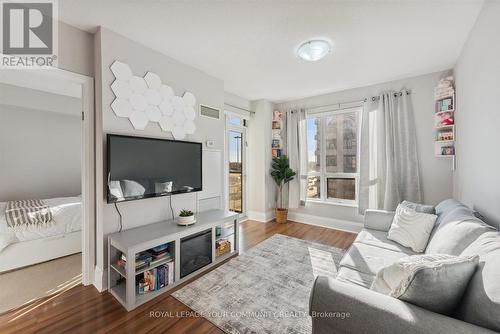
column 272, row 167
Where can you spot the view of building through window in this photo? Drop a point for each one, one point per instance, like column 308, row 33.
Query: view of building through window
column 235, row 171
column 338, row 134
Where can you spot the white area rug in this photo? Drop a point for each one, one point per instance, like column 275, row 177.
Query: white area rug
column 23, row 286
column 265, row 290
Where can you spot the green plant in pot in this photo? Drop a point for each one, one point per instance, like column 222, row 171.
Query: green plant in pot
column 282, row 174
column 186, row 217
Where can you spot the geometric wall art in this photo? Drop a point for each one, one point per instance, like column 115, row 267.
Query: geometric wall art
column 147, row 99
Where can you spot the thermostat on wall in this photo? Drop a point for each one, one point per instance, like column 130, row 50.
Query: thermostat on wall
column 210, row 143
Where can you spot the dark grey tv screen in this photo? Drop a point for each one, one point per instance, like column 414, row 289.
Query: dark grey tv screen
column 139, row 167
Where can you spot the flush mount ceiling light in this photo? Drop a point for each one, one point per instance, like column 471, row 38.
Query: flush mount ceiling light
column 314, row 50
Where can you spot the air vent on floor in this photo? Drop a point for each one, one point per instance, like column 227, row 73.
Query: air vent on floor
column 209, row 112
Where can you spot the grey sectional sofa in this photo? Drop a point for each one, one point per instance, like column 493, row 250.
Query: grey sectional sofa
column 346, row 304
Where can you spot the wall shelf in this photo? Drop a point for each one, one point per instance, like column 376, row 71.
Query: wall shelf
column 444, row 118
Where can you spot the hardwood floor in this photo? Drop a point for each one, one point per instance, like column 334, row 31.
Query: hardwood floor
column 83, row 309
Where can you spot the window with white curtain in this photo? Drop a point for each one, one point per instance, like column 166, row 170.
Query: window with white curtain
column 332, row 156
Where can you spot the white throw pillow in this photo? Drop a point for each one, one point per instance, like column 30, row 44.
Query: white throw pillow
column 411, row 228
column 433, row 281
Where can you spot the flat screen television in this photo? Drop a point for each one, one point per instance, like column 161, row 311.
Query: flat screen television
column 140, row 167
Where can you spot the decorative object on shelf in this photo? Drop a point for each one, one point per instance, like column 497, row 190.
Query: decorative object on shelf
column 276, row 143
column 448, row 150
column 222, row 247
column 147, row 99
column 444, row 119
column 445, row 135
column 186, row 217
column 276, row 152
column 282, row 174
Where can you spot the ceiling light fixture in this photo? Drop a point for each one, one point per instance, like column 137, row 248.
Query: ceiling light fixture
column 314, row 50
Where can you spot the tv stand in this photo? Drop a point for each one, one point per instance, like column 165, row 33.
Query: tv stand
column 218, row 227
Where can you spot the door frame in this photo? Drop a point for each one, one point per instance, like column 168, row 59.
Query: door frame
column 243, row 130
column 87, row 148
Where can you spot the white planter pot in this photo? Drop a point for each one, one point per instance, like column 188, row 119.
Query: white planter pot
column 185, row 220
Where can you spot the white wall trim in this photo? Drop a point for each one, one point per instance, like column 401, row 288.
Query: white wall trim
column 263, row 217
column 337, row 224
column 100, row 279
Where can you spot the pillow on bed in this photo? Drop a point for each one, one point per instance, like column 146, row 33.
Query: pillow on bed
column 132, row 188
column 115, row 189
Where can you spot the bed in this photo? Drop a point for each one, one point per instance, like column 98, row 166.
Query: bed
column 38, row 244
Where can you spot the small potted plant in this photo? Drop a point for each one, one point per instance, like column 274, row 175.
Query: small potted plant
column 186, row 217
column 282, row 174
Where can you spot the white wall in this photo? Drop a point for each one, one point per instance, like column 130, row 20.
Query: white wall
column 76, row 49
column 208, row 90
column 40, row 150
column 261, row 187
column 436, row 175
column 477, row 75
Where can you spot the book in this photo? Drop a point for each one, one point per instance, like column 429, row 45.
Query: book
column 170, row 275
column 276, row 152
column 161, row 277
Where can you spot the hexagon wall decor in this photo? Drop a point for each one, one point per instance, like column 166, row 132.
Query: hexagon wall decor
column 146, row 99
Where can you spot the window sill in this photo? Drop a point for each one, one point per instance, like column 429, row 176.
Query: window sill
column 318, row 201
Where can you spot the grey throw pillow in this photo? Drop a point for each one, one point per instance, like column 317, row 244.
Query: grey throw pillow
column 420, row 207
column 457, row 231
column 435, row 282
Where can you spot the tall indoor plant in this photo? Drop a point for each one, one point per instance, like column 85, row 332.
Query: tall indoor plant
column 282, row 174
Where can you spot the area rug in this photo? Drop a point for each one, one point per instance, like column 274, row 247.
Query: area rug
column 265, row 290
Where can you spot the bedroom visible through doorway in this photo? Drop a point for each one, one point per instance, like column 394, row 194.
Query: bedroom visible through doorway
column 44, row 206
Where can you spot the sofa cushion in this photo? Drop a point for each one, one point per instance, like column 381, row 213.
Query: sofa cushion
column 457, row 231
column 369, row 259
column 379, row 239
column 435, row 282
column 411, row 228
column 481, row 302
column 353, row 276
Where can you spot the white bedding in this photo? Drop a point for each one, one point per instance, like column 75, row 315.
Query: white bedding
column 67, row 216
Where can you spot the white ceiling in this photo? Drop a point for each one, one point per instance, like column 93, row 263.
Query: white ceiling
column 251, row 44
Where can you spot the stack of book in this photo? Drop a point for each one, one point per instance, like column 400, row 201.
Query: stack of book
column 157, row 278
column 142, row 260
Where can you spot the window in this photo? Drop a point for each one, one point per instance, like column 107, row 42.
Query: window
column 332, row 152
column 237, row 120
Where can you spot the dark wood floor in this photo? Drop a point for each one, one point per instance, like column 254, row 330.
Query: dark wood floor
column 83, row 309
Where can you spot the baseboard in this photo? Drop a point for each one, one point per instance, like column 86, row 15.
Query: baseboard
column 259, row 216
column 100, row 279
column 337, row 224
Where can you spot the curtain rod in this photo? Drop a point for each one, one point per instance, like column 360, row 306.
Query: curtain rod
column 373, row 98
column 233, row 106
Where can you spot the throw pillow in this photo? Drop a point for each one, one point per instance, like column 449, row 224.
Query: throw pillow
column 420, row 207
column 411, row 228
column 435, row 282
column 457, row 231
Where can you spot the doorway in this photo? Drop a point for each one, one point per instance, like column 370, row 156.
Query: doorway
column 52, row 110
column 236, row 163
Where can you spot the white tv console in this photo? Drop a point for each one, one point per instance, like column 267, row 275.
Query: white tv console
column 122, row 279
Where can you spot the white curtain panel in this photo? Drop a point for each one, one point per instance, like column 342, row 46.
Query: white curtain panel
column 389, row 167
column 296, row 151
